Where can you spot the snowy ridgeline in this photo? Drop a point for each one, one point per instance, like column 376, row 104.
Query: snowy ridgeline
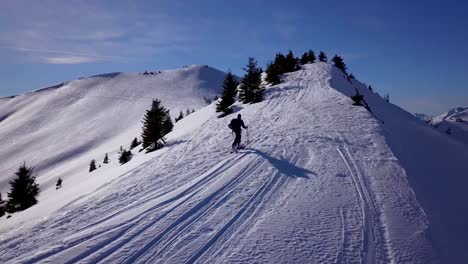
column 321, row 181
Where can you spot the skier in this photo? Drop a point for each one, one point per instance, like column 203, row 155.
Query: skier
column 58, row 185
column 236, row 125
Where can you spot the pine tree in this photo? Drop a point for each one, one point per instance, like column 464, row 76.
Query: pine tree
column 305, row 58
column 134, row 143
column 181, row 115
column 125, row 156
column 273, row 72
column 156, row 124
column 292, row 63
column 92, row 165
column 311, row 55
column 24, row 190
column 338, row 62
column 308, row 57
column 106, row 159
column 370, row 88
column 187, row 112
column 322, row 57
column 2, row 206
column 229, row 94
column 251, row 90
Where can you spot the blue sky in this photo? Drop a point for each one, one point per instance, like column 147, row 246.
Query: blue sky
column 414, row 50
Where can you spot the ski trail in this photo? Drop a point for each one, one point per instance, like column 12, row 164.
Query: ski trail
column 189, row 217
column 244, row 214
column 367, row 230
column 126, row 227
column 374, row 244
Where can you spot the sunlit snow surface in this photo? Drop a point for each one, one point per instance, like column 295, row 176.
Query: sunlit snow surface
column 321, row 181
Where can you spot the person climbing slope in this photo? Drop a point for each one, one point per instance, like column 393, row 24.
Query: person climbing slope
column 236, row 125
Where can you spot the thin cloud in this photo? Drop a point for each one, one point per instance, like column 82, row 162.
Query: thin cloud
column 68, row 60
column 109, row 34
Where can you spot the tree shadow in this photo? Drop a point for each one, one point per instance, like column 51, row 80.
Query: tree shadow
column 284, row 166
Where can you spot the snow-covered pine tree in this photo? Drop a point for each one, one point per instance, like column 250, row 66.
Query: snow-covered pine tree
column 187, row 112
column 23, row 190
column 251, row 90
column 338, row 62
column 323, row 57
column 156, row 124
column 106, row 159
column 92, row 165
column 229, row 95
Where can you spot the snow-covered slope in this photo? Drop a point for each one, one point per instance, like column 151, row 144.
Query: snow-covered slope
column 321, row 181
column 423, row 117
column 59, row 129
column 456, row 120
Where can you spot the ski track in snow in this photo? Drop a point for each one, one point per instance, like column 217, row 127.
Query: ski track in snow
column 271, row 202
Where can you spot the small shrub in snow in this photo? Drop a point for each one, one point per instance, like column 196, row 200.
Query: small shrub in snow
column 106, row 159
column 125, row 156
column 181, row 115
column 58, row 184
column 134, row 143
column 23, row 190
column 92, row 165
column 386, row 97
column 357, row 98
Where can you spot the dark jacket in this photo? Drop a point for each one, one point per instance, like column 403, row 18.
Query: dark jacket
column 236, row 125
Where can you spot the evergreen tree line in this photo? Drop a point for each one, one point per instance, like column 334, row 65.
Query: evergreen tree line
column 251, row 89
column 181, row 114
column 156, row 124
column 23, row 191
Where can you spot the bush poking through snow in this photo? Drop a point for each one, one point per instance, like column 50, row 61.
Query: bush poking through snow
column 125, row 156
column 357, row 98
column 24, row 190
column 135, row 143
column 92, row 165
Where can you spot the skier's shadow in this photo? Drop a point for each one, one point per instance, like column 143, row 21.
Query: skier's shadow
column 283, row 165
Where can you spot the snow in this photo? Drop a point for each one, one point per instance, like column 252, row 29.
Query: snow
column 321, row 181
column 59, row 129
column 456, row 120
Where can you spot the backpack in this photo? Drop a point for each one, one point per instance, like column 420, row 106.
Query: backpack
column 230, row 124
